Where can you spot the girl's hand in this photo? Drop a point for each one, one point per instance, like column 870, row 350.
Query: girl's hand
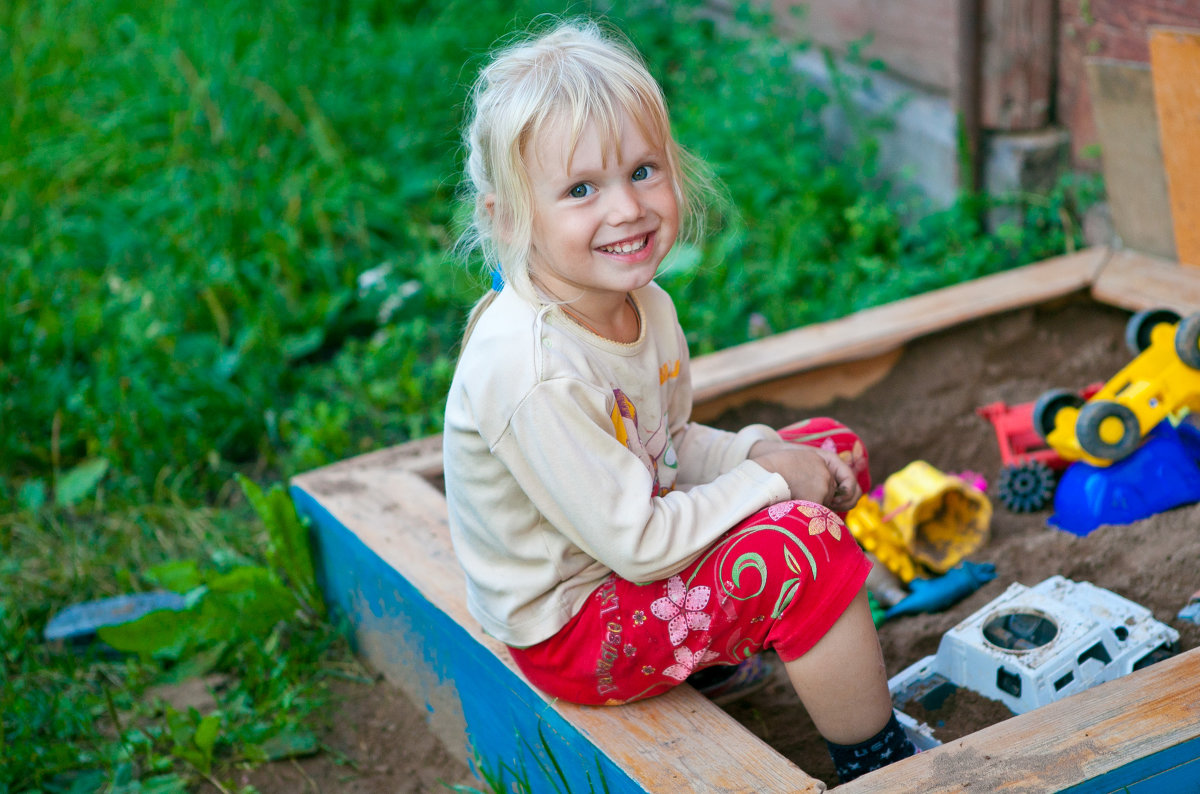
column 812, row 474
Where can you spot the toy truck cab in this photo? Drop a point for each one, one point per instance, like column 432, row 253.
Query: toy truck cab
column 1162, row 380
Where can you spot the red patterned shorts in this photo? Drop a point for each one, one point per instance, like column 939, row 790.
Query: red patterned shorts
column 779, row 579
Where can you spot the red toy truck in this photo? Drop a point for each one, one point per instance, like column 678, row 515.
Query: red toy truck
column 1029, row 466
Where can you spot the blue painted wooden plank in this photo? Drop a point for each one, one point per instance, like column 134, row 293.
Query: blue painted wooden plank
column 1182, row 779
column 510, row 728
column 1175, row 770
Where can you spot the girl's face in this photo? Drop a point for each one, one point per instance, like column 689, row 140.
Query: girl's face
column 601, row 225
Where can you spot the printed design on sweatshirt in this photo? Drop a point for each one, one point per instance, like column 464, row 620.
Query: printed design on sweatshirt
column 653, row 449
column 668, row 371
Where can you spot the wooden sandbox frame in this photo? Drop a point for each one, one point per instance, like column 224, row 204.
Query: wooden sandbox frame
column 387, row 568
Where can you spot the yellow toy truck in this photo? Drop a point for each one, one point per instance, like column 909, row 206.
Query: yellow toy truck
column 925, row 521
column 1163, row 380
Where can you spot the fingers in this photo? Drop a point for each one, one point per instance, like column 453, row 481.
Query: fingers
column 808, row 475
column 847, row 491
column 813, row 473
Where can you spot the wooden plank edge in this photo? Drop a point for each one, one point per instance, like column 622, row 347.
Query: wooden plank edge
column 806, row 390
column 400, row 518
column 1135, row 281
column 877, row 330
column 422, row 456
column 1102, row 739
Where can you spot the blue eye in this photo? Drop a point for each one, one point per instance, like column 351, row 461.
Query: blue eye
column 580, row 191
column 642, row 172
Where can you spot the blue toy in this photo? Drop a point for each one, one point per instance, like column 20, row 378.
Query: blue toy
column 1191, row 612
column 77, row 625
column 938, row 593
column 1164, row 472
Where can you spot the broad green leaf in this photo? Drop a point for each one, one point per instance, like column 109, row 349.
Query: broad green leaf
column 245, row 602
column 163, row 634
column 206, row 734
column 289, row 551
column 178, row 576
column 80, row 482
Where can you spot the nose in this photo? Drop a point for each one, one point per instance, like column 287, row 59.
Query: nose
column 625, row 205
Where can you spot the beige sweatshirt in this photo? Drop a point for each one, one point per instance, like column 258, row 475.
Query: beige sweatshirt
column 568, row 456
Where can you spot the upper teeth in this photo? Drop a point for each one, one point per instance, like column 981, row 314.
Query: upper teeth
column 625, row 248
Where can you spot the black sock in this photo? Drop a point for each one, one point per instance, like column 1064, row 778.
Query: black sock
column 889, row 745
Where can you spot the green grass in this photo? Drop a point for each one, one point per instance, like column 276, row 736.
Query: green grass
column 85, row 720
column 223, row 250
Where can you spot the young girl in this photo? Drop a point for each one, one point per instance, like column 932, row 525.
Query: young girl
column 614, row 545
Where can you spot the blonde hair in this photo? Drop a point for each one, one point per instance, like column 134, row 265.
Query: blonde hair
column 579, row 73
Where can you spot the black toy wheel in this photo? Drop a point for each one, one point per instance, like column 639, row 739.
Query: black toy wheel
column 1045, row 410
column 1108, row 430
column 1187, row 341
column 1026, row 487
column 1141, row 324
column 1161, row 653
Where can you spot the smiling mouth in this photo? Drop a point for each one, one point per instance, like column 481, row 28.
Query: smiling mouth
column 626, row 247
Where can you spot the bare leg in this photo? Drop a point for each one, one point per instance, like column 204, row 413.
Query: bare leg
column 842, row 681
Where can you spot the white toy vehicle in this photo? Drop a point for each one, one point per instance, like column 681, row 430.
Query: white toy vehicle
column 1034, row 645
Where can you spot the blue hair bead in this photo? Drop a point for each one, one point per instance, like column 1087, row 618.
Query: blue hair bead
column 497, row 280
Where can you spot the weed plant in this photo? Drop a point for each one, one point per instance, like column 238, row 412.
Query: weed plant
column 224, row 236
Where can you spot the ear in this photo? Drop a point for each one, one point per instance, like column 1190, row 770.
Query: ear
column 499, row 226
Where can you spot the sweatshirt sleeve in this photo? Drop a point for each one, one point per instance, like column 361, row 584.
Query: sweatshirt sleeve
column 705, row 452
column 561, row 449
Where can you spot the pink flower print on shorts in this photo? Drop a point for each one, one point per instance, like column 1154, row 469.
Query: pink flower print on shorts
column 686, row 662
column 681, row 608
column 820, row 518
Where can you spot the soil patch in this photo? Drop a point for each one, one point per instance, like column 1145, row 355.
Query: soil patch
column 925, row 410
column 374, row 741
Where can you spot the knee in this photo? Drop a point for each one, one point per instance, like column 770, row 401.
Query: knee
column 833, row 435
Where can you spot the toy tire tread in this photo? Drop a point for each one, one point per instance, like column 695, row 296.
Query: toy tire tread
column 1047, row 407
column 1087, row 430
column 1187, row 341
column 1141, row 324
